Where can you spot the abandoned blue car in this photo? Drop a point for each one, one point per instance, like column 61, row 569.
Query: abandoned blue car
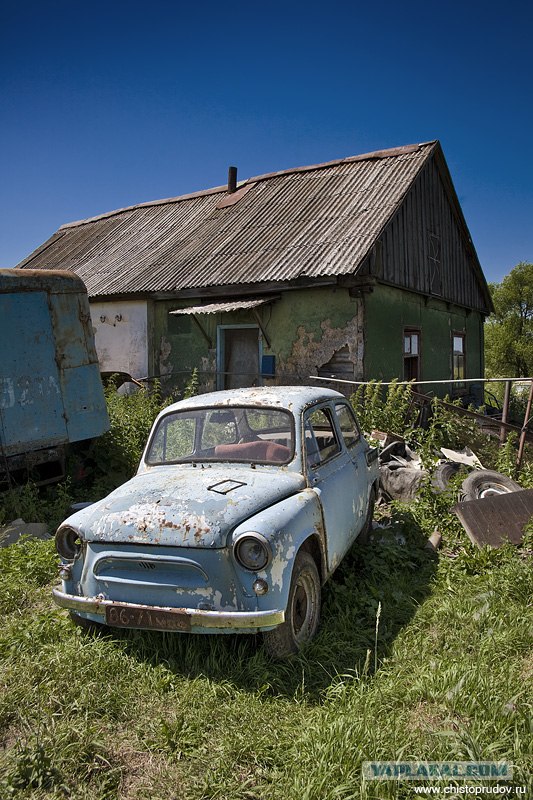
column 244, row 503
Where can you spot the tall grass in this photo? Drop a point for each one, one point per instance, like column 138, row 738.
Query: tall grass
column 416, row 659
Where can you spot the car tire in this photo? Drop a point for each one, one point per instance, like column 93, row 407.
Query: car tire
column 364, row 534
column 487, row 483
column 444, row 473
column 302, row 615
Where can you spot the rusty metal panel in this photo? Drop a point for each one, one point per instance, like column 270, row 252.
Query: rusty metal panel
column 216, row 308
column 495, row 520
column 31, row 405
column 50, row 387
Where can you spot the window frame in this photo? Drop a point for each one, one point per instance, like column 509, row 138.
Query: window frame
column 198, row 434
column 410, row 331
column 349, row 409
column 306, row 419
column 462, row 336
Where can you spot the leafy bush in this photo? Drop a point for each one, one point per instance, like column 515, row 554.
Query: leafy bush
column 115, row 455
column 384, row 408
column 48, row 504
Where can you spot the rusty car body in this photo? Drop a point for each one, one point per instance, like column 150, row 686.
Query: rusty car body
column 244, row 503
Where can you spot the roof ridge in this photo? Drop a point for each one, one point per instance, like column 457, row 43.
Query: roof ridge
column 375, row 154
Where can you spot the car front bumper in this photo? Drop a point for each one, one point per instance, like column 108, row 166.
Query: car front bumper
column 135, row 615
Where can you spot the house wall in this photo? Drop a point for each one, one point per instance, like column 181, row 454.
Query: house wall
column 121, row 336
column 389, row 311
column 321, row 331
column 306, row 329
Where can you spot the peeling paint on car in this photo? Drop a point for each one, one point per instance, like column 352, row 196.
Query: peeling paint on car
column 161, row 550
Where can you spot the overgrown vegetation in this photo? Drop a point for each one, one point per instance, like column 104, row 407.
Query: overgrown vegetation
column 392, row 409
column 508, row 331
column 417, row 658
column 115, row 456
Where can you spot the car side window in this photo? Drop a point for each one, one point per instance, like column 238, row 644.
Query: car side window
column 348, row 426
column 320, row 438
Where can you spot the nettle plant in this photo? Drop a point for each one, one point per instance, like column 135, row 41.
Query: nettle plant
column 385, row 408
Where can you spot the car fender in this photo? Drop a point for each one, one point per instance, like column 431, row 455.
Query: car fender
column 286, row 525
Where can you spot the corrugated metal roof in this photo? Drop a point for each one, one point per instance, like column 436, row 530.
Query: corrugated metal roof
column 215, row 308
column 307, row 222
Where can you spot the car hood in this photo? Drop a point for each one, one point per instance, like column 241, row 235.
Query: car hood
column 184, row 505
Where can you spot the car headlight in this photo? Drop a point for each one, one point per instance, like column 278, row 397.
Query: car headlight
column 252, row 551
column 68, row 543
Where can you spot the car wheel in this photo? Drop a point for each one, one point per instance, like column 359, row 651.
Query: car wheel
column 364, row 534
column 303, row 610
column 444, row 473
column 486, row 483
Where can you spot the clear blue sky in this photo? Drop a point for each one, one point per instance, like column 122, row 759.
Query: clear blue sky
column 106, row 104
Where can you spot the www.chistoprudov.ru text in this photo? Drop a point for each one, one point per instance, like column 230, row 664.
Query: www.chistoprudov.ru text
column 470, row 791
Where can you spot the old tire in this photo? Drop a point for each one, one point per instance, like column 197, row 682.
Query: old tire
column 486, row 483
column 444, row 473
column 302, row 615
column 364, row 534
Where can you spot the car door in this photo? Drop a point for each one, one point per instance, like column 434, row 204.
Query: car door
column 357, row 448
column 331, row 473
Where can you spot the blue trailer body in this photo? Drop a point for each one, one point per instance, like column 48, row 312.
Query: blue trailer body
column 51, row 392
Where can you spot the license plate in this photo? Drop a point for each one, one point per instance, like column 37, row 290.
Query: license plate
column 156, row 619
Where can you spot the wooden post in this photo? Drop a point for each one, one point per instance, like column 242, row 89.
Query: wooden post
column 505, row 413
column 524, row 428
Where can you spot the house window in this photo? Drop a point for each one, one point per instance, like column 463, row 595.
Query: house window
column 411, row 354
column 459, row 362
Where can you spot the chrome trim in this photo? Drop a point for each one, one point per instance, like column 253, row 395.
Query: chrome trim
column 199, row 618
column 261, row 539
column 116, row 557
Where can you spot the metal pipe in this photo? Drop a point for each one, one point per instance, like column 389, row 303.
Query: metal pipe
column 232, row 180
column 505, row 412
column 523, row 432
column 421, row 383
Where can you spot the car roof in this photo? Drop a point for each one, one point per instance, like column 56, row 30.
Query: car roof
column 291, row 398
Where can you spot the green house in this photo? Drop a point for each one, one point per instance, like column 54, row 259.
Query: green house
column 356, row 269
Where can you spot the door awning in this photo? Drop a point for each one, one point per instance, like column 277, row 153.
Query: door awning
column 234, row 305
column 216, row 308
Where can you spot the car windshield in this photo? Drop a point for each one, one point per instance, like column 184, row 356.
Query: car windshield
column 249, row 434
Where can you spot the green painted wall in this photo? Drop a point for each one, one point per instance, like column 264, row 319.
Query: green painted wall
column 305, row 328
column 388, row 311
